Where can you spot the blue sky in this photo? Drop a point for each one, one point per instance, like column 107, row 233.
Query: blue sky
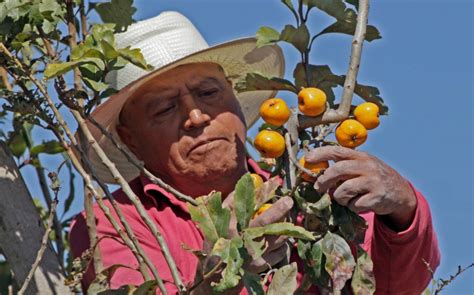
column 423, row 68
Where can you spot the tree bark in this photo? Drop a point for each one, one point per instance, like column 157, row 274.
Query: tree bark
column 21, row 231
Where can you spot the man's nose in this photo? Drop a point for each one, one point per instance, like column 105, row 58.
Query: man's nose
column 196, row 119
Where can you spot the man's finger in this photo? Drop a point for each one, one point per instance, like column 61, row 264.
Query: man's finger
column 362, row 203
column 277, row 212
column 350, row 189
column 333, row 153
column 340, row 171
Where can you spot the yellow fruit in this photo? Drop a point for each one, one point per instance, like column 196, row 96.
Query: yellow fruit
column 312, row 101
column 270, row 144
column 262, row 209
column 274, row 111
column 350, row 133
column 313, row 167
column 367, row 114
column 257, row 180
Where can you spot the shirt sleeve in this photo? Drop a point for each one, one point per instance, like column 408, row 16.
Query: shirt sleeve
column 399, row 257
column 114, row 251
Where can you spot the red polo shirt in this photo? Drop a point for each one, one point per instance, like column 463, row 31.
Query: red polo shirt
column 398, row 257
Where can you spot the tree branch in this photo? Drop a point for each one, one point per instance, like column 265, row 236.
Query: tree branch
column 342, row 112
column 75, row 161
column 133, row 198
column 5, row 81
column 44, row 244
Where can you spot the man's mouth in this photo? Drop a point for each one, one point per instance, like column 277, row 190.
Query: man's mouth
column 202, row 144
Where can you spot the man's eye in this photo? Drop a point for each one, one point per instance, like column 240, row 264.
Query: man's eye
column 165, row 110
column 208, row 93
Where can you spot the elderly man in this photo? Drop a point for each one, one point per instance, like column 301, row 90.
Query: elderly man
column 187, row 126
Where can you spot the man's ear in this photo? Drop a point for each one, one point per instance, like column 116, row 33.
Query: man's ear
column 126, row 136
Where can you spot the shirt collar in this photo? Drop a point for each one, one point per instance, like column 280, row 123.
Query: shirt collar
column 150, row 187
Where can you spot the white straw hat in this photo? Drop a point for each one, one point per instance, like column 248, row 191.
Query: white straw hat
column 166, row 41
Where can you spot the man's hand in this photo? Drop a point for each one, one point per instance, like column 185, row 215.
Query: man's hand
column 276, row 245
column 364, row 183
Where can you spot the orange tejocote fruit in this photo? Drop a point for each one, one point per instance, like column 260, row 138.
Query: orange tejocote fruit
column 274, row 111
column 313, row 167
column 269, row 143
column 350, row 133
column 257, row 180
column 367, row 114
column 312, row 101
column 262, row 209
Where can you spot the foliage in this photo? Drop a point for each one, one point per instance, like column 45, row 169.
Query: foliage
column 53, row 46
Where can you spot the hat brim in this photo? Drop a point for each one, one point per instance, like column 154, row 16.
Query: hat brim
column 237, row 58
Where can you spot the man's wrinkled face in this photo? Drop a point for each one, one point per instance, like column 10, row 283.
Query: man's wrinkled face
column 186, row 124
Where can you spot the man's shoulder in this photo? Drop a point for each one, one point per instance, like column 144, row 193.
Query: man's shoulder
column 120, row 198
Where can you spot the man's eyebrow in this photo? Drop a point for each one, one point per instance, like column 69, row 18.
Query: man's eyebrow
column 204, row 81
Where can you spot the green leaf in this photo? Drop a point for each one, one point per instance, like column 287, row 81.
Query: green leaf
column 339, row 260
column 95, row 85
column 49, row 147
column 321, row 205
column 148, row 287
column 55, row 69
column 363, row 280
column 109, row 50
column 228, row 251
column 71, row 195
column 256, row 81
column 101, row 281
column 119, row 12
column 266, row 192
column 284, row 280
column 103, row 32
column 353, row 2
column 17, row 144
column 253, row 284
column 219, row 216
column 135, row 57
column 315, row 259
column 334, row 8
column 298, row 37
column 348, row 28
column 351, row 225
column 367, row 93
column 279, row 229
column 267, row 36
column 212, row 219
column 318, row 75
column 289, row 4
column 244, row 201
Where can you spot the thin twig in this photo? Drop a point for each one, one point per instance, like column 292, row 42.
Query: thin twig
column 71, row 26
column 44, row 244
column 5, row 81
column 290, row 175
column 56, row 224
column 139, row 253
column 82, row 12
column 441, row 283
column 133, row 198
column 49, row 49
column 342, row 112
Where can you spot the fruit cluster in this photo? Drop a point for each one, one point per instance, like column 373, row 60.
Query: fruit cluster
column 312, row 102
